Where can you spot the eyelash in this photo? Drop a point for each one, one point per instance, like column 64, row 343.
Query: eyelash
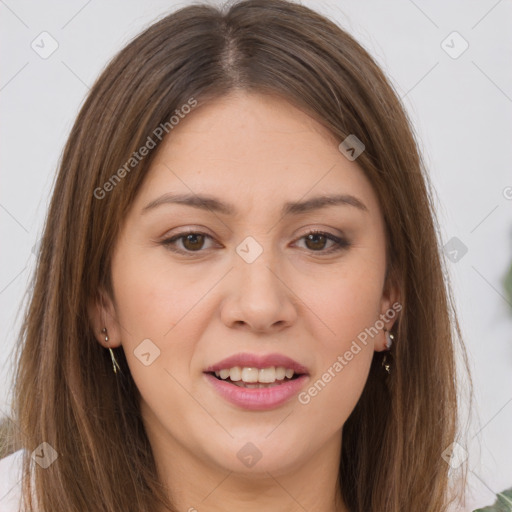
column 340, row 243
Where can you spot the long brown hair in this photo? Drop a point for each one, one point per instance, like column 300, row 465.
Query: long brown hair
column 66, row 393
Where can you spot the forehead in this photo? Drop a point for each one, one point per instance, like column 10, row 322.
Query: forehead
column 251, row 150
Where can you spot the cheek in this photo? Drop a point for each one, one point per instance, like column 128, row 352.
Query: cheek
column 348, row 306
column 344, row 359
column 154, row 313
column 169, row 310
column 152, row 302
column 345, row 300
column 333, row 394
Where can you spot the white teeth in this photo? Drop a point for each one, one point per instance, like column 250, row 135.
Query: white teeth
column 280, row 373
column 235, row 373
column 250, row 374
column 267, row 375
column 255, row 375
column 224, row 373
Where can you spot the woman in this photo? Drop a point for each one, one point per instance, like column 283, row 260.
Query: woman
column 239, row 301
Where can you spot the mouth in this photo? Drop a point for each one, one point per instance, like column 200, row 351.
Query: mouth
column 256, row 378
column 257, row 382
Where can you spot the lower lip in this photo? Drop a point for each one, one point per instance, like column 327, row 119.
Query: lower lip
column 257, row 399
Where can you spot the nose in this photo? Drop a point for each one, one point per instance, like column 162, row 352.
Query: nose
column 257, row 297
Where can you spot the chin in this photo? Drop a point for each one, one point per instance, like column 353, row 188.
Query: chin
column 257, row 454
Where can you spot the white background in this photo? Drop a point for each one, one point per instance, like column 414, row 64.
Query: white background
column 461, row 109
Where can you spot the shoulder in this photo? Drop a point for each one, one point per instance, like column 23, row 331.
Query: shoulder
column 10, row 482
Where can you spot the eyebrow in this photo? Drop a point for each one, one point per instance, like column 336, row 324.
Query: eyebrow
column 206, row 202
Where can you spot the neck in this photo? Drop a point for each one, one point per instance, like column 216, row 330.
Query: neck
column 235, row 492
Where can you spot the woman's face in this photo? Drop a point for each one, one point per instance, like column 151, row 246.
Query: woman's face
column 249, row 285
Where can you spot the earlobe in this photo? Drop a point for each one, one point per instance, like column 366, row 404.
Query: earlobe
column 103, row 320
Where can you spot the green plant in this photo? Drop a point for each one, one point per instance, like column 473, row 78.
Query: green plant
column 502, row 504
column 7, row 443
column 507, row 283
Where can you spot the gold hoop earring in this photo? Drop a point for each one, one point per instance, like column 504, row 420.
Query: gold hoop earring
column 389, row 339
column 385, row 363
column 115, row 364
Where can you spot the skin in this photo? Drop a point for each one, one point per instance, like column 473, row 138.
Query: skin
column 255, row 152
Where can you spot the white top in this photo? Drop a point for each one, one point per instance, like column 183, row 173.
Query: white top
column 10, row 482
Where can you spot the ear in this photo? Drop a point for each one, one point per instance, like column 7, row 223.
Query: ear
column 390, row 308
column 102, row 314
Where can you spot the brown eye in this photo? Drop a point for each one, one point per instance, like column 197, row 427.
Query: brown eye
column 315, row 241
column 191, row 241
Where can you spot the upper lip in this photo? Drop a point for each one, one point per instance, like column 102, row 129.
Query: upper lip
column 257, row 361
